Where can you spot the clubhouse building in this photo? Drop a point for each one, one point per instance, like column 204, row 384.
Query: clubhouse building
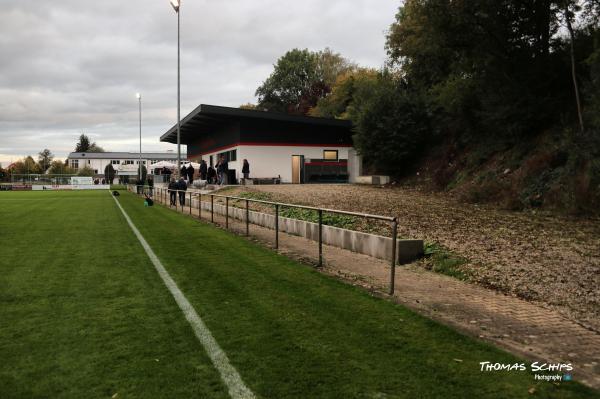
column 290, row 148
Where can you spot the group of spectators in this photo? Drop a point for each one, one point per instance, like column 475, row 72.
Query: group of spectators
column 219, row 174
column 216, row 175
column 188, row 173
column 175, row 187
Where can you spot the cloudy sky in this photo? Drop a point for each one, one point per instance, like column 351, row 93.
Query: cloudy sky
column 69, row 66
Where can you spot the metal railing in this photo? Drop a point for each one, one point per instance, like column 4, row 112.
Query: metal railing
column 163, row 193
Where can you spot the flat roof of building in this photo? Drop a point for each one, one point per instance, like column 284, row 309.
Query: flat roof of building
column 124, row 155
column 207, row 117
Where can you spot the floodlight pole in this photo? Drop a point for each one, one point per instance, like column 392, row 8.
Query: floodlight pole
column 139, row 96
column 178, row 95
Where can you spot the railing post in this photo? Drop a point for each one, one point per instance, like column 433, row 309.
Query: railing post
column 276, row 226
column 176, row 199
column 247, row 219
column 393, row 265
column 190, row 203
column 320, row 237
column 226, row 212
column 200, row 206
column 212, row 208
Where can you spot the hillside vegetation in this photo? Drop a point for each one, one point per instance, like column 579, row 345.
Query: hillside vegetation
column 498, row 101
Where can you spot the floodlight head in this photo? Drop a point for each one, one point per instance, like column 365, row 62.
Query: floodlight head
column 138, row 95
column 176, row 4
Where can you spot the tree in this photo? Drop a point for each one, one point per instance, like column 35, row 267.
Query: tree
column 300, row 78
column 340, row 101
column 45, row 158
column 86, row 171
column 491, row 67
column 60, row 168
column 568, row 16
column 249, row 106
column 391, row 124
column 26, row 166
column 83, row 145
column 95, row 148
column 3, row 174
column 109, row 173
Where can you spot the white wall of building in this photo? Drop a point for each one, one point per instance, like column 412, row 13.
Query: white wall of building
column 271, row 161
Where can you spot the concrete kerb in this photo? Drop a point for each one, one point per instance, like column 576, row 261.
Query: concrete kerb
column 364, row 243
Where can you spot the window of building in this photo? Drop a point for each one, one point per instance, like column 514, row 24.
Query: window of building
column 330, row 155
column 89, row 162
column 230, row 156
column 74, row 163
column 115, row 162
column 129, row 162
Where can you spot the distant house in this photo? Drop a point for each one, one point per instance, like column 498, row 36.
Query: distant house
column 125, row 163
column 299, row 149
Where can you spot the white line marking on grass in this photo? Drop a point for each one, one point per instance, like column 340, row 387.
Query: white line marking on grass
column 233, row 380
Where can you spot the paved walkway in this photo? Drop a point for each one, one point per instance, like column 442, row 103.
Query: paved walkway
column 525, row 329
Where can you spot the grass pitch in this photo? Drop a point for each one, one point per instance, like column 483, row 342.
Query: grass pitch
column 84, row 314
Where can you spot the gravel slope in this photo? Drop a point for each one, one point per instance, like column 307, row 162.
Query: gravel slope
column 554, row 261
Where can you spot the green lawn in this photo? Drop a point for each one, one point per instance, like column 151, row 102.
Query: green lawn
column 83, row 313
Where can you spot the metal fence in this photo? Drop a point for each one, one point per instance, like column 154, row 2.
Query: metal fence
column 163, row 195
column 34, row 178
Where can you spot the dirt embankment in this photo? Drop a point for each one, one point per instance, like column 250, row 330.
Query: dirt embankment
column 554, row 261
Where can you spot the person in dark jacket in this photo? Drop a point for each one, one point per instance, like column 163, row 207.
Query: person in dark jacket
column 190, row 173
column 172, row 193
column 222, row 170
column 183, row 172
column 211, row 174
column 182, row 187
column 150, row 186
column 203, row 170
column 246, row 169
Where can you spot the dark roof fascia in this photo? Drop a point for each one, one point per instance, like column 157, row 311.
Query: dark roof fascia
column 210, row 111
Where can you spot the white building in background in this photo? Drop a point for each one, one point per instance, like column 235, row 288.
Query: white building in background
column 125, row 163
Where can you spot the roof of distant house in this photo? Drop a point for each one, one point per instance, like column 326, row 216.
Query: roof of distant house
column 124, row 155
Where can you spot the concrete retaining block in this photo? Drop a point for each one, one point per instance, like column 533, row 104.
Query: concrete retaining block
column 355, row 241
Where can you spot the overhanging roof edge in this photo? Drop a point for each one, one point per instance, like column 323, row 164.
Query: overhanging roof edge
column 239, row 113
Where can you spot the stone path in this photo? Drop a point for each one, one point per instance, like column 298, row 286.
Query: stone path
column 525, row 329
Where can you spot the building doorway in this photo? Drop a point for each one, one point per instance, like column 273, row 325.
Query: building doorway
column 297, row 169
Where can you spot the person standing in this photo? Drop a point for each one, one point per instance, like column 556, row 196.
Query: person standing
column 246, row 169
column 150, row 186
column 211, row 174
column 182, row 187
column 217, row 171
column 203, row 170
column 183, row 172
column 222, row 170
column 173, row 192
column 190, row 173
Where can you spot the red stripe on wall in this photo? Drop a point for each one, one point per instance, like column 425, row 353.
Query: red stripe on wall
column 231, row 146
column 326, row 163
